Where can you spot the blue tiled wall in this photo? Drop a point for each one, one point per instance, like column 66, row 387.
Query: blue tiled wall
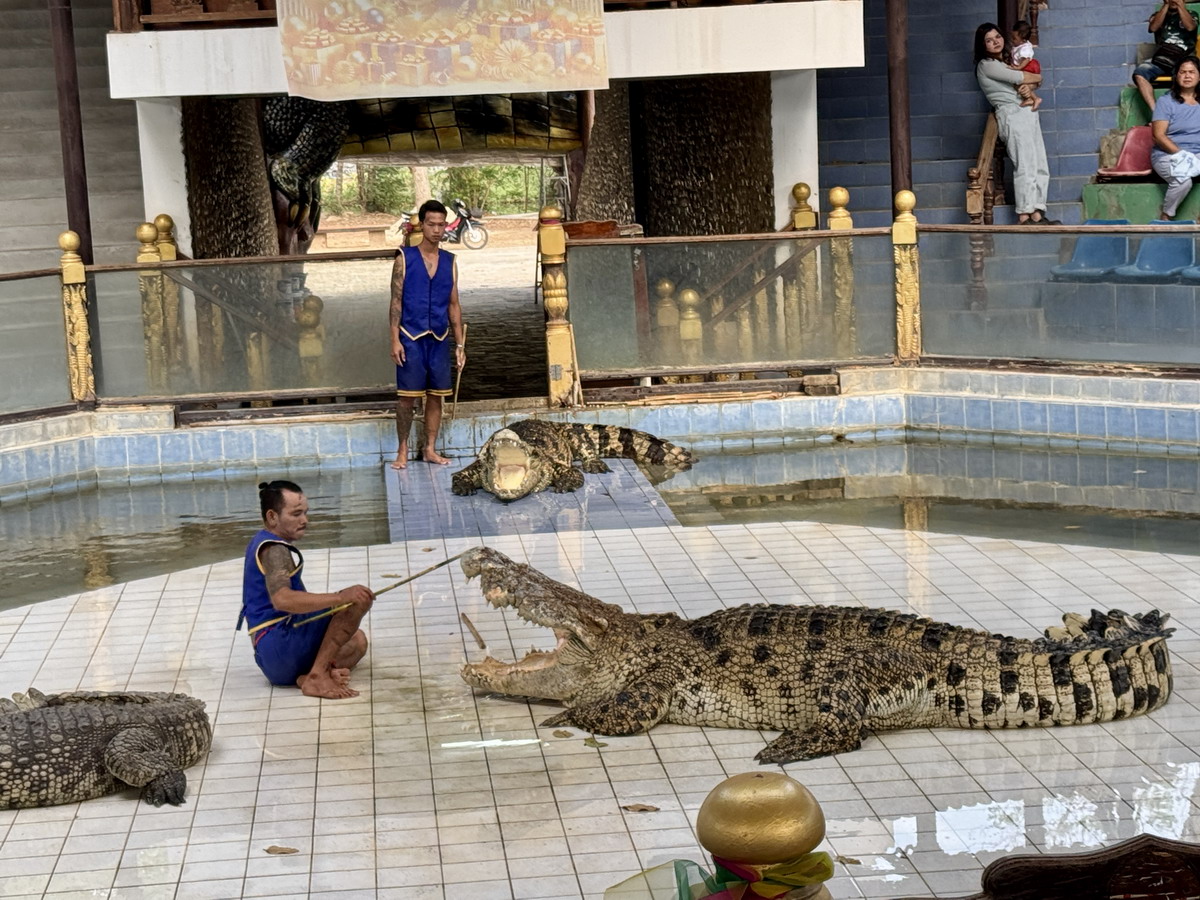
column 878, row 404
column 1087, row 53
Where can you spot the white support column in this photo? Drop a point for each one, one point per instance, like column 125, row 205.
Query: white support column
column 794, row 138
column 164, row 176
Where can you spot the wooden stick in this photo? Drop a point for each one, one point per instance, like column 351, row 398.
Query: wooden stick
column 471, row 627
column 454, row 400
column 334, row 610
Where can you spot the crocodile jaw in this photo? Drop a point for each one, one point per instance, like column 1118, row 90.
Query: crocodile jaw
column 510, row 467
column 540, row 673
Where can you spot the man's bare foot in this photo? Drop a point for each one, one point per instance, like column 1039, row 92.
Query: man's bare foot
column 401, row 460
column 324, row 685
column 432, row 456
column 341, row 676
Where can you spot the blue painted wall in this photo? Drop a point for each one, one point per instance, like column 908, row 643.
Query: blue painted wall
column 1087, row 53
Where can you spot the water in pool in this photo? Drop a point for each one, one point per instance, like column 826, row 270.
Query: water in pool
column 1093, row 498
column 59, row 544
column 62, row 543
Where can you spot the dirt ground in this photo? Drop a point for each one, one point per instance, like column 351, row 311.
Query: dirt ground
column 506, row 344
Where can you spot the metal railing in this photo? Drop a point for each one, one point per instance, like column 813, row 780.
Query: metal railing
column 638, row 312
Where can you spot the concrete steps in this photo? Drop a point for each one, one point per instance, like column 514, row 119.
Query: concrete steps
column 32, row 200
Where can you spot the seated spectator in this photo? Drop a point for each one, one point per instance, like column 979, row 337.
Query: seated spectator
column 1174, row 30
column 1175, row 125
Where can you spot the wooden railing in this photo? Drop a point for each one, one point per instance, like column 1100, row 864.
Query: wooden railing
column 985, row 179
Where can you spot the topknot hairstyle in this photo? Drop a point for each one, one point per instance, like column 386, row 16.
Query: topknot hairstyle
column 270, row 495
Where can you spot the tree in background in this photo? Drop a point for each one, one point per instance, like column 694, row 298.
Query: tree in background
column 357, row 187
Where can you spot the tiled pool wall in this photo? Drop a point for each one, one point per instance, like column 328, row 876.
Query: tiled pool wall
column 1123, row 414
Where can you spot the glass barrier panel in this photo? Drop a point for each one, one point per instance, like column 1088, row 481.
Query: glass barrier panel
column 234, row 327
column 643, row 306
column 33, row 345
column 1092, row 298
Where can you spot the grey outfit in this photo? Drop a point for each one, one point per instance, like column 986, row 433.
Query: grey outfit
column 1021, row 132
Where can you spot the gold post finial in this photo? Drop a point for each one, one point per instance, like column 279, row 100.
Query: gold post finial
column 147, row 236
column 839, row 217
column 71, row 262
column 165, row 226
column 904, row 227
column 804, row 217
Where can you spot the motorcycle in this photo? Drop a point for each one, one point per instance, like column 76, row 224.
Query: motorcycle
column 464, row 228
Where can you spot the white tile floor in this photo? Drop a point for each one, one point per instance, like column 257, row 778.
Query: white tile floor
column 419, row 789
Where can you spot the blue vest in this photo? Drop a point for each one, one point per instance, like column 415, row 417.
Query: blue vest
column 425, row 307
column 256, row 599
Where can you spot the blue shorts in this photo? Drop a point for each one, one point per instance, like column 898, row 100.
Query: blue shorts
column 285, row 653
column 426, row 368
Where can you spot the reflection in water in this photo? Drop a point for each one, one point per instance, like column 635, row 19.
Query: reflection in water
column 70, row 541
column 1072, row 820
column 1078, row 820
column 983, row 826
column 904, row 835
column 1163, row 809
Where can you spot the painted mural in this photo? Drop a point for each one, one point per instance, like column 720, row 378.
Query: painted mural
column 361, row 49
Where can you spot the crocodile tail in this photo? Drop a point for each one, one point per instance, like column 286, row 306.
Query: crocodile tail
column 612, row 441
column 1113, row 627
column 1042, row 684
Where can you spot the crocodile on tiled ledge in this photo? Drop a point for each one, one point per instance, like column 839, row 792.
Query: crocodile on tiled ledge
column 533, row 455
column 64, row 748
column 823, row 675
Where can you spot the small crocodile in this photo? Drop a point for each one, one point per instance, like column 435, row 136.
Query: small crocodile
column 64, row 748
column 533, row 455
column 823, row 675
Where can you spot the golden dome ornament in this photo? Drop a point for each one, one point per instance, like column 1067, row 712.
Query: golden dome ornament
column 762, row 829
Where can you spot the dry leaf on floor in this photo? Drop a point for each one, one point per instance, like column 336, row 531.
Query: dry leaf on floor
column 847, row 860
column 640, row 807
column 560, row 733
column 276, row 850
column 426, row 549
column 592, row 742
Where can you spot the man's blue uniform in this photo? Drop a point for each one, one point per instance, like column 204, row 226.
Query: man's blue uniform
column 283, row 652
column 425, row 325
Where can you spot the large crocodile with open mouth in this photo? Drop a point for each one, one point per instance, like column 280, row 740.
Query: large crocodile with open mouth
column 533, row 455
column 823, row 675
column 64, row 748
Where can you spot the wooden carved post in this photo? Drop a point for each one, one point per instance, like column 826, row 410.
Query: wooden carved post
column 565, row 389
column 666, row 321
column 75, row 320
column 172, row 312
column 908, row 279
column 311, row 338
column 841, row 250
column 691, row 328
column 804, row 218
column 153, row 324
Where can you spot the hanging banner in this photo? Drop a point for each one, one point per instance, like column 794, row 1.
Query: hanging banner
column 364, row 49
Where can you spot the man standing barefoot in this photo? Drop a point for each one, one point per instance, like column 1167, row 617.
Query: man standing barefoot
column 424, row 309
column 317, row 655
